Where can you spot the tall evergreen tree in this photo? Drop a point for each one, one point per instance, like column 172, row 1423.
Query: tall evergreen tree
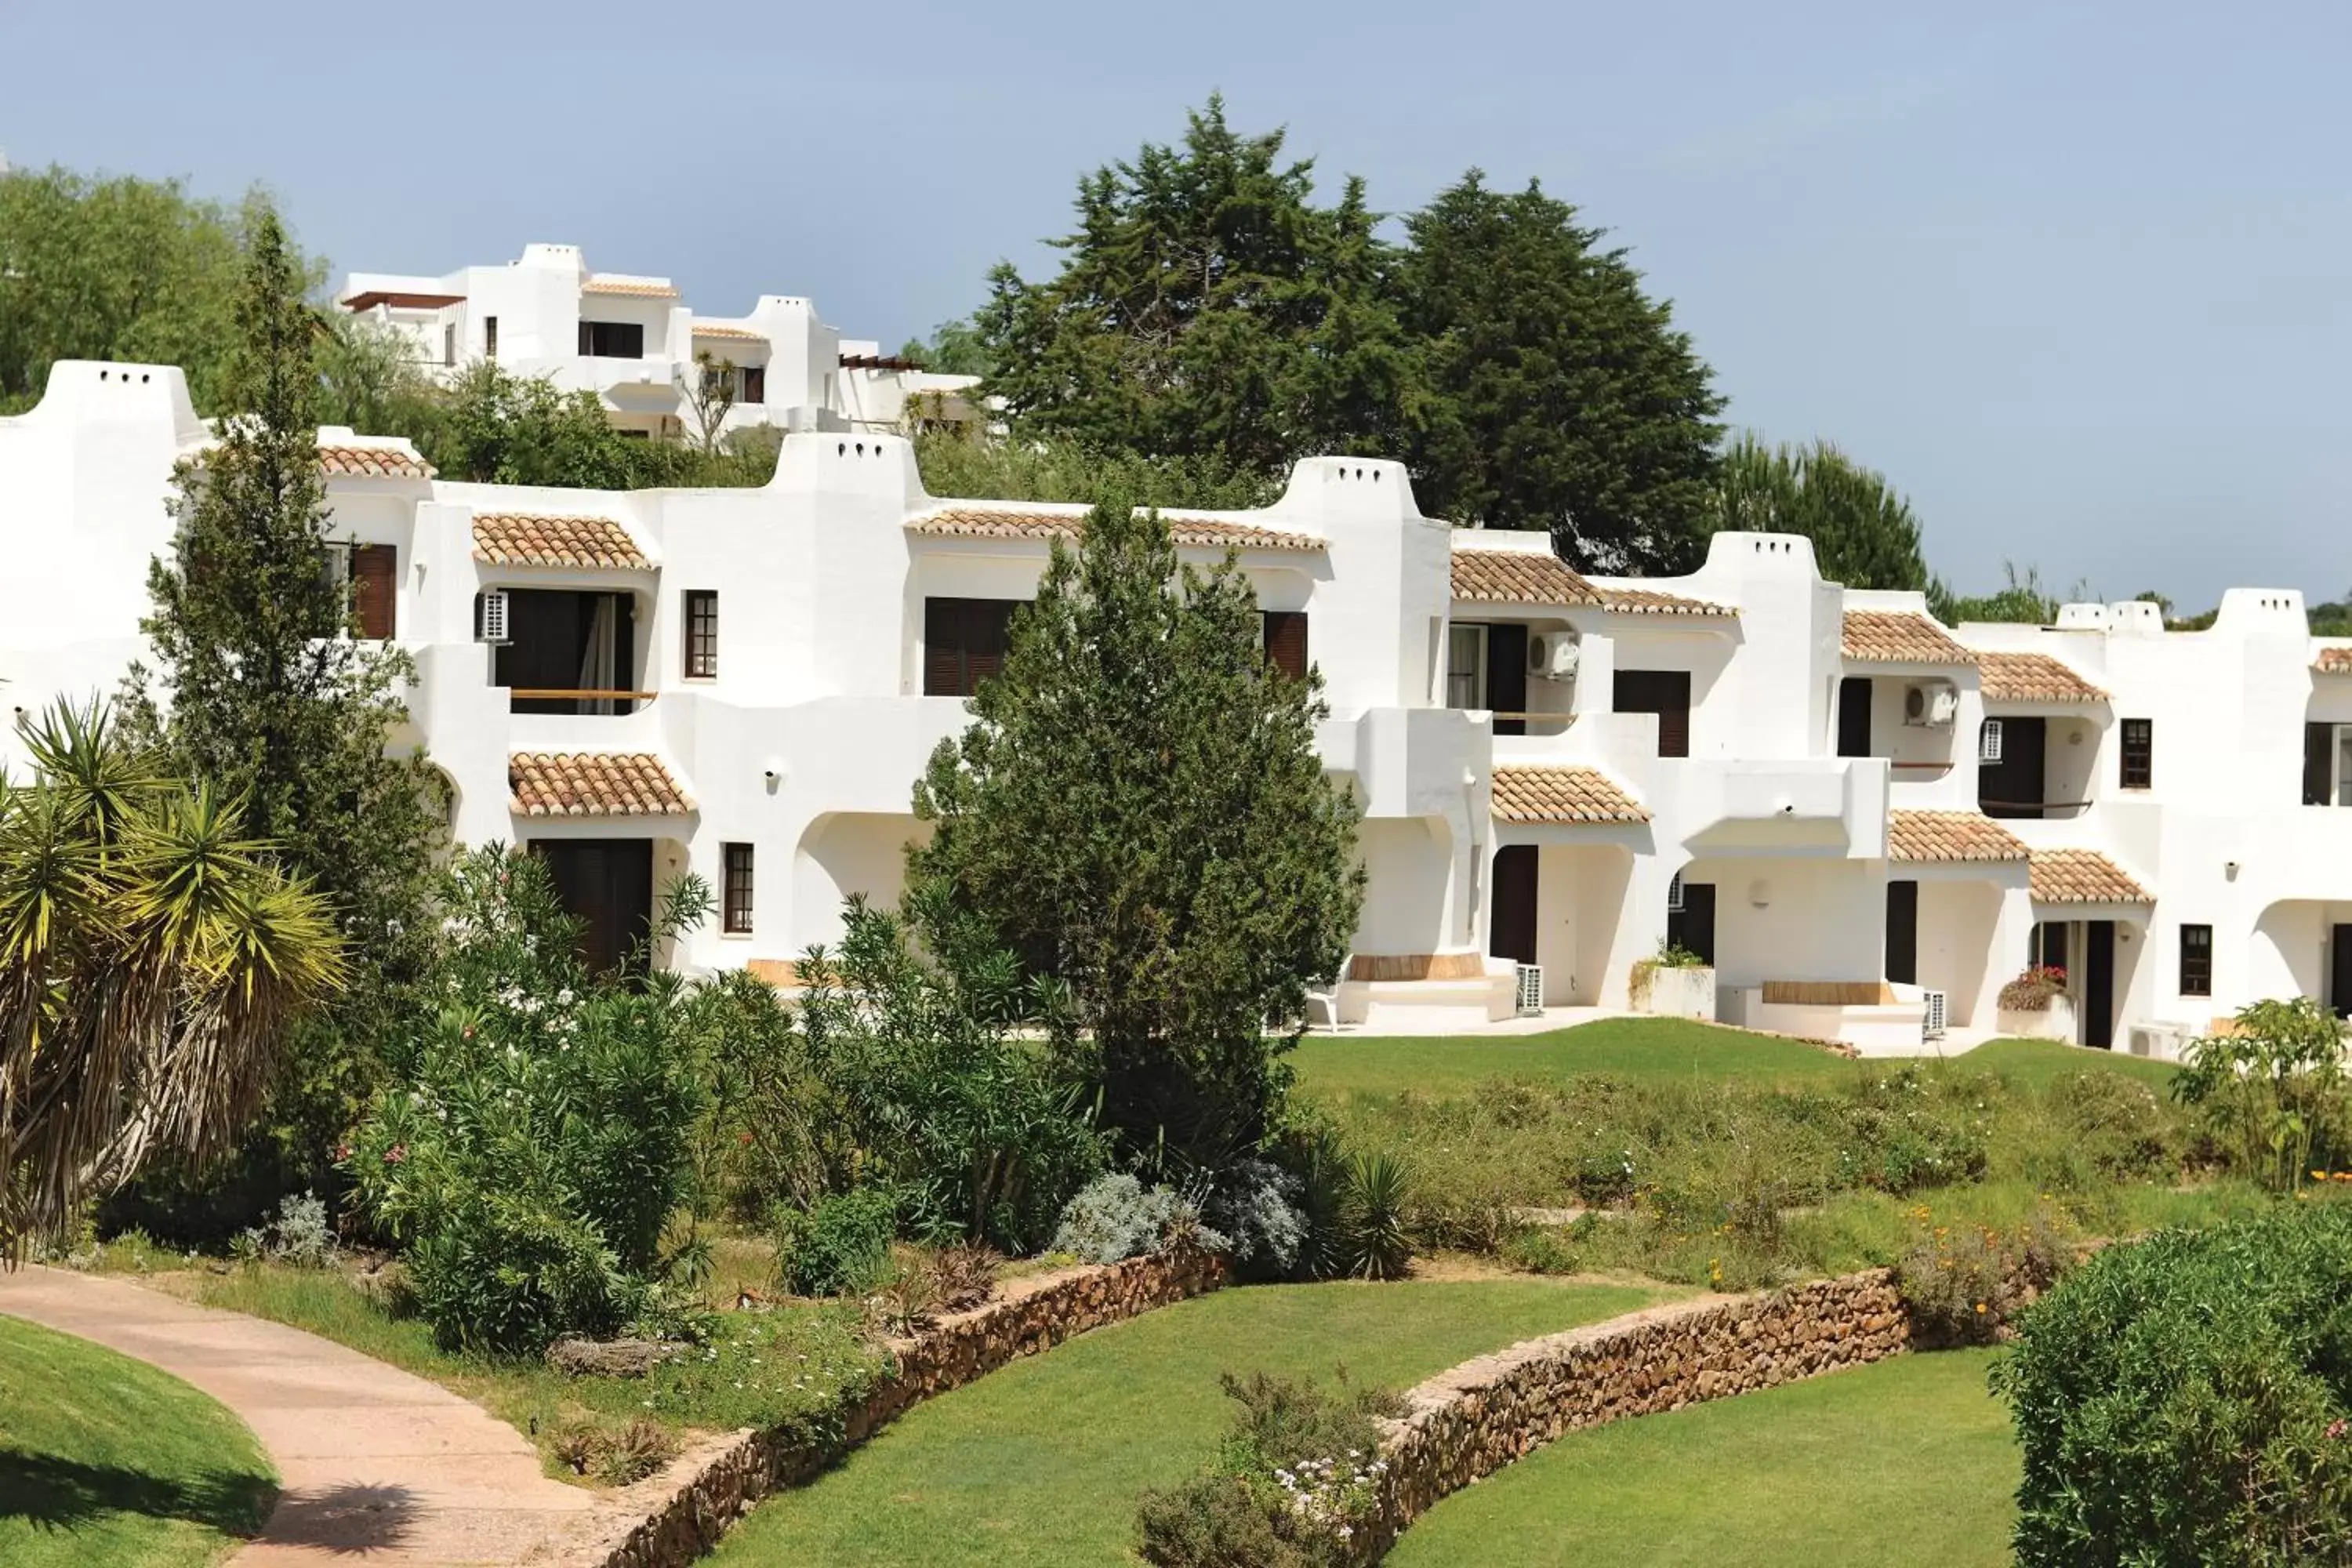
column 1140, row 810
column 258, row 691
column 1865, row 533
column 1206, row 308
column 1559, row 397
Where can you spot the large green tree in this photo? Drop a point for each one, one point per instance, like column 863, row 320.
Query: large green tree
column 1558, row 394
column 257, row 688
column 119, row 268
column 1140, row 811
column 1865, row 533
column 1206, row 306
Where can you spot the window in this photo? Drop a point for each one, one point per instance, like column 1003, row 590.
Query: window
column 1465, row 667
column 1988, row 742
column 964, row 642
column 736, row 900
column 2195, row 961
column 701, row 634
column 2139, row 754
column 2327, row 764
column 489, row 337
column 612, row 340
column 449, row 343
column 1283, row 635
column 1667, row 693
column 1854, row 716
column 755, row 383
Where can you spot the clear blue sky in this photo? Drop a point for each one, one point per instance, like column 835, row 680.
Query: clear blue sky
column 2075, row 278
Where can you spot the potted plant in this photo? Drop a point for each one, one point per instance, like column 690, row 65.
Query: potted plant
column 2035, row 1005
column 1675, row 983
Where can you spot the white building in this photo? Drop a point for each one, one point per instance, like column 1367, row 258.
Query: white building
column 630, row 340
column 1842, row 804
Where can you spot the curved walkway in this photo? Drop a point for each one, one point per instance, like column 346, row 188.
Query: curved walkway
column 378, row 1466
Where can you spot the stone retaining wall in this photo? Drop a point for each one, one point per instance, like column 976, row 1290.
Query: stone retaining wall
column 682, row 1513
column 1471, row 1421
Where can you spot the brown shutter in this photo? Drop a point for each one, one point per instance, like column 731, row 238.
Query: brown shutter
column 2318, row 740
column 942, row 648
column 1667, row 693
column 373, row 591
column 1286, row 641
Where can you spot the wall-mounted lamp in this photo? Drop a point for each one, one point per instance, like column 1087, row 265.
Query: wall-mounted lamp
column 1759, row 893
column 2230, row 869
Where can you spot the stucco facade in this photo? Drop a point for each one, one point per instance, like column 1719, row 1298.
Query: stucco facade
column 1842, row 804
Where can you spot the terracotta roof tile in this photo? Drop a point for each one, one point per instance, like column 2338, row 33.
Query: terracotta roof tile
column 525, row 539
column 637, row 287
column 1950, row 836
column 2083, row 876
column 2334, row 661
column 1519, row 577
column 593, row 783
column 2032, row 678
column 979, row 522
column 1553, row 794
column 727, row 330
column 399, row 462
column 1900, row 637
column 1651, row 601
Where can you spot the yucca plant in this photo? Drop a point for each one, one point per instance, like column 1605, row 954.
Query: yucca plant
column 1373, row 1242
column 151, row 961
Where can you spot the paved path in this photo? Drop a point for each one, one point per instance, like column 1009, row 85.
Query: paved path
column 378, row 1467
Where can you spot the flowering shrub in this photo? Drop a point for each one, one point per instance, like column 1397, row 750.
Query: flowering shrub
column 539, row 1142
column 2032, row 991
column 2274, row 1092
column 1296, row 1484
column 1962, row 1282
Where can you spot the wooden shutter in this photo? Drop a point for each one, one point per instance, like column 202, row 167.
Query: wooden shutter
column 2319, row 740
column 1854, row 718
column 374, row 591
column 1286, row 641
column 1667, row 693
column 1506, row 677
column 964, row 641
column 942, row 648
column 1903, row 932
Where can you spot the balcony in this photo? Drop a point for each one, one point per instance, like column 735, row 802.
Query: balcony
column 596, row 702
column 1807, row 805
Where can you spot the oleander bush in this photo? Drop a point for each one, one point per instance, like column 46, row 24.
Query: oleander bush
column 2186, row 1399
column 2273, row 1095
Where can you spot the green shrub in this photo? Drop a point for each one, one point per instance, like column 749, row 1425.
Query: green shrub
column 2275, row 1094
column 1374, row 1241
column 840, row 1247
column 1961, row 1283
column 2186, row 1399
column 1296, row 1484
column 1542, row 1249
column 1116, row 1218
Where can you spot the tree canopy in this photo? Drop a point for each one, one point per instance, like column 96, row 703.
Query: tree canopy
column 1864, row 534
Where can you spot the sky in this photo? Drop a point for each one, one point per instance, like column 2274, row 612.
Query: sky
column 2075, row 278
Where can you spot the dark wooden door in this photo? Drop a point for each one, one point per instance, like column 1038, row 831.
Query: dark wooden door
column 1903, row 932
column 1506, row 677
column 2318, row 763
column 2012, row 787
column 2339, row 969
column 1692, row 927
column 2099, row 983
column 1854, row 716
column 374, row 596
column 606, row 884
column 1667, row 693
column 1511, row 932
column 1284, row 634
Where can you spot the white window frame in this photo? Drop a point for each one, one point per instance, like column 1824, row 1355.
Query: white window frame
column 1477, row 674
column 1988, row 742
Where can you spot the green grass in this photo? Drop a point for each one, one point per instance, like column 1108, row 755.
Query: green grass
column 1343, row 1066
column 1043, row 1462
column 106, row 1459
column 1906, row 1463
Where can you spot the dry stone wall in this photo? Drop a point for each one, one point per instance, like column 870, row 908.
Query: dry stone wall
column 681, row 1513
column 1471, row 1421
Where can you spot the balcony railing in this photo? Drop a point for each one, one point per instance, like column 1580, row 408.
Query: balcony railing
column 579, row 698
column 1551, row 723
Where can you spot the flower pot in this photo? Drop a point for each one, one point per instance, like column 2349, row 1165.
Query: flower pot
column 2055, row 1022
column 1674, row 993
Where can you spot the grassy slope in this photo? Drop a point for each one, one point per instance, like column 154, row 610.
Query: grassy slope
column 1906, row 1463
column 1043, row 1462
column 105, row 1459
column 1643, row 1048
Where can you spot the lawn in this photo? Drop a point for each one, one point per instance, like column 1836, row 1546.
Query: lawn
column 1906, row 1463
column 105, row 1459
column 1340, row 1066
column 1043, row 1462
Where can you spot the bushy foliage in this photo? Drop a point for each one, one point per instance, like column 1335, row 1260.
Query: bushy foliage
column 537, row 1141
column 1961, row 1283
column 1256, row 1206
column 841, row 1246
column 2186, row 1400
column 1140, row 811
column 1296, row 1484
column 1116, row 1218
column 964, row 459
column 2273, row 1093
column 1865, row 533
column 297, row 1235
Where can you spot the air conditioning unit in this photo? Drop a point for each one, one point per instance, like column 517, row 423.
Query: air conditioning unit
column 1931, row 1027
column 491, row 625
column 1932, row 703
column 1530, row 990
column 1552, row 656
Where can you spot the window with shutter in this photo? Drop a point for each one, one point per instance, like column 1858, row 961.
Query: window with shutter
column 2138, row 770
column 755, row 383
column 2197, row 961
column 2318, row 765
column 964, row 642
column 736, row 900
column 1664, row 693
column 376, row 590
column 1284, row 641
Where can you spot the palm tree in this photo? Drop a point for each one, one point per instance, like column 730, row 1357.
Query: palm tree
column 152, row 960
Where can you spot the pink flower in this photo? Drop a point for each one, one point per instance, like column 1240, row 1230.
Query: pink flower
column 2336, row 1428
column 395, row 1154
